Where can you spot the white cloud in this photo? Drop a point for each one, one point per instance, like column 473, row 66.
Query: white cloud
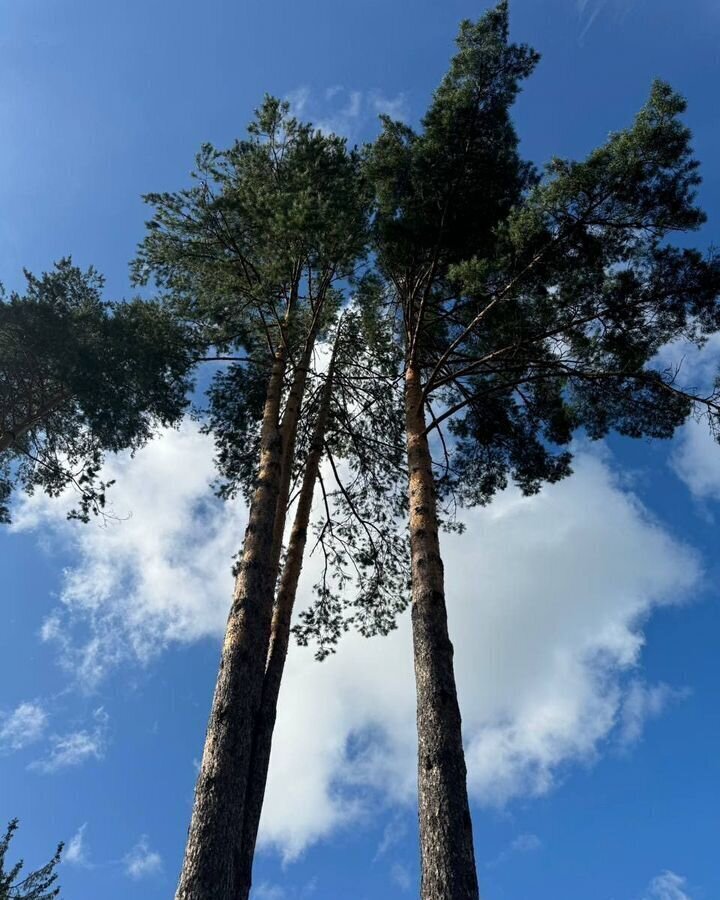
column 349, row 113
column 641, row 703
column 141, row 861
column 523, row 843
column 265, row 891
column 696, row 455
column 547, row 600
column 590, row 10
column 24, row 725
column 75, row 852
column 401, row 876
column 696, row 460
column 140, row 581
column 548, row 597
column 668, row 886
column 393, row 833
column 76, row 747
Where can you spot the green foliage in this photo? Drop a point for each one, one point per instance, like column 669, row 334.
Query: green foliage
column 38, row 885
column 80, row 377
column 250, row 256
column 365, row 579
column 271, row 221
column 440, row 192
column 534, row 306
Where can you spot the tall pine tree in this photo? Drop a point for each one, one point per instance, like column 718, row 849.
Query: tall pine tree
column 528, row 307
column 251, row 257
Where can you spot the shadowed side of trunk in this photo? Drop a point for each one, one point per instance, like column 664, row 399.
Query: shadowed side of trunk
column 211, row 860
column 446, row 843
column 288, row 435
column 279, row 642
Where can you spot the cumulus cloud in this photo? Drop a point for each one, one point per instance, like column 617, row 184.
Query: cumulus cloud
column 76, row 852
column 141, row 580
column 696, row 461
column 547, row 601
column 24, row 725
column 668, row 886
column 696, row 456
column 141, row 861
column 548, row 597
column 75, row 747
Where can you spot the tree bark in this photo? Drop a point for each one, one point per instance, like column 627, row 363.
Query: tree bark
column 288, row 435
column 279, row 641
column 212, row 854
column 446, row 842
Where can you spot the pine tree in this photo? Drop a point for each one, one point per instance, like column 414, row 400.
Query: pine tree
column 528, row 306
column 251, row 257
column 81, row 377
column 365, row 556
column 38, row 885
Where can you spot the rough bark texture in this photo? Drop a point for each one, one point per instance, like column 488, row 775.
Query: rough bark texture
column 212, row 855
column 279, row 642
column 446, row 843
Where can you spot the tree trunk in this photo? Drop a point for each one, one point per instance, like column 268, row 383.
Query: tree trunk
column 212, row 854
column 279, row 642
column 288, row 435
column 446, row 843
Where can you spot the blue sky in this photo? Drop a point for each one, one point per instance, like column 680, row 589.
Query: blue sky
column 585, row 620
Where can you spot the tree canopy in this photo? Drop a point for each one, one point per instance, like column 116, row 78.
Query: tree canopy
column 81, row 377
column 38, row 885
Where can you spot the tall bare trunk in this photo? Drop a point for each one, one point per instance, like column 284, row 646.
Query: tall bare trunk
column 446, row 843
column 288, row 435
column 212, row 854
column 279, row 641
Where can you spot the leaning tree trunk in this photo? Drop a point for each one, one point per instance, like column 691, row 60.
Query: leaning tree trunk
column 279, row 641
column 446, row 842
column 288, row 435
column 212, row 853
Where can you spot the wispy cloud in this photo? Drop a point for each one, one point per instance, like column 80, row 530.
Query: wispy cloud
column 668, row 886
column 267, row 891
column 393, row 833
column 347, row 112
column 523, row 843
column 141, row 861
column 75, row 747
column 643, row 702
column 400, row 876
column 589, row 11
column 24, row 725
column 76, row 853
